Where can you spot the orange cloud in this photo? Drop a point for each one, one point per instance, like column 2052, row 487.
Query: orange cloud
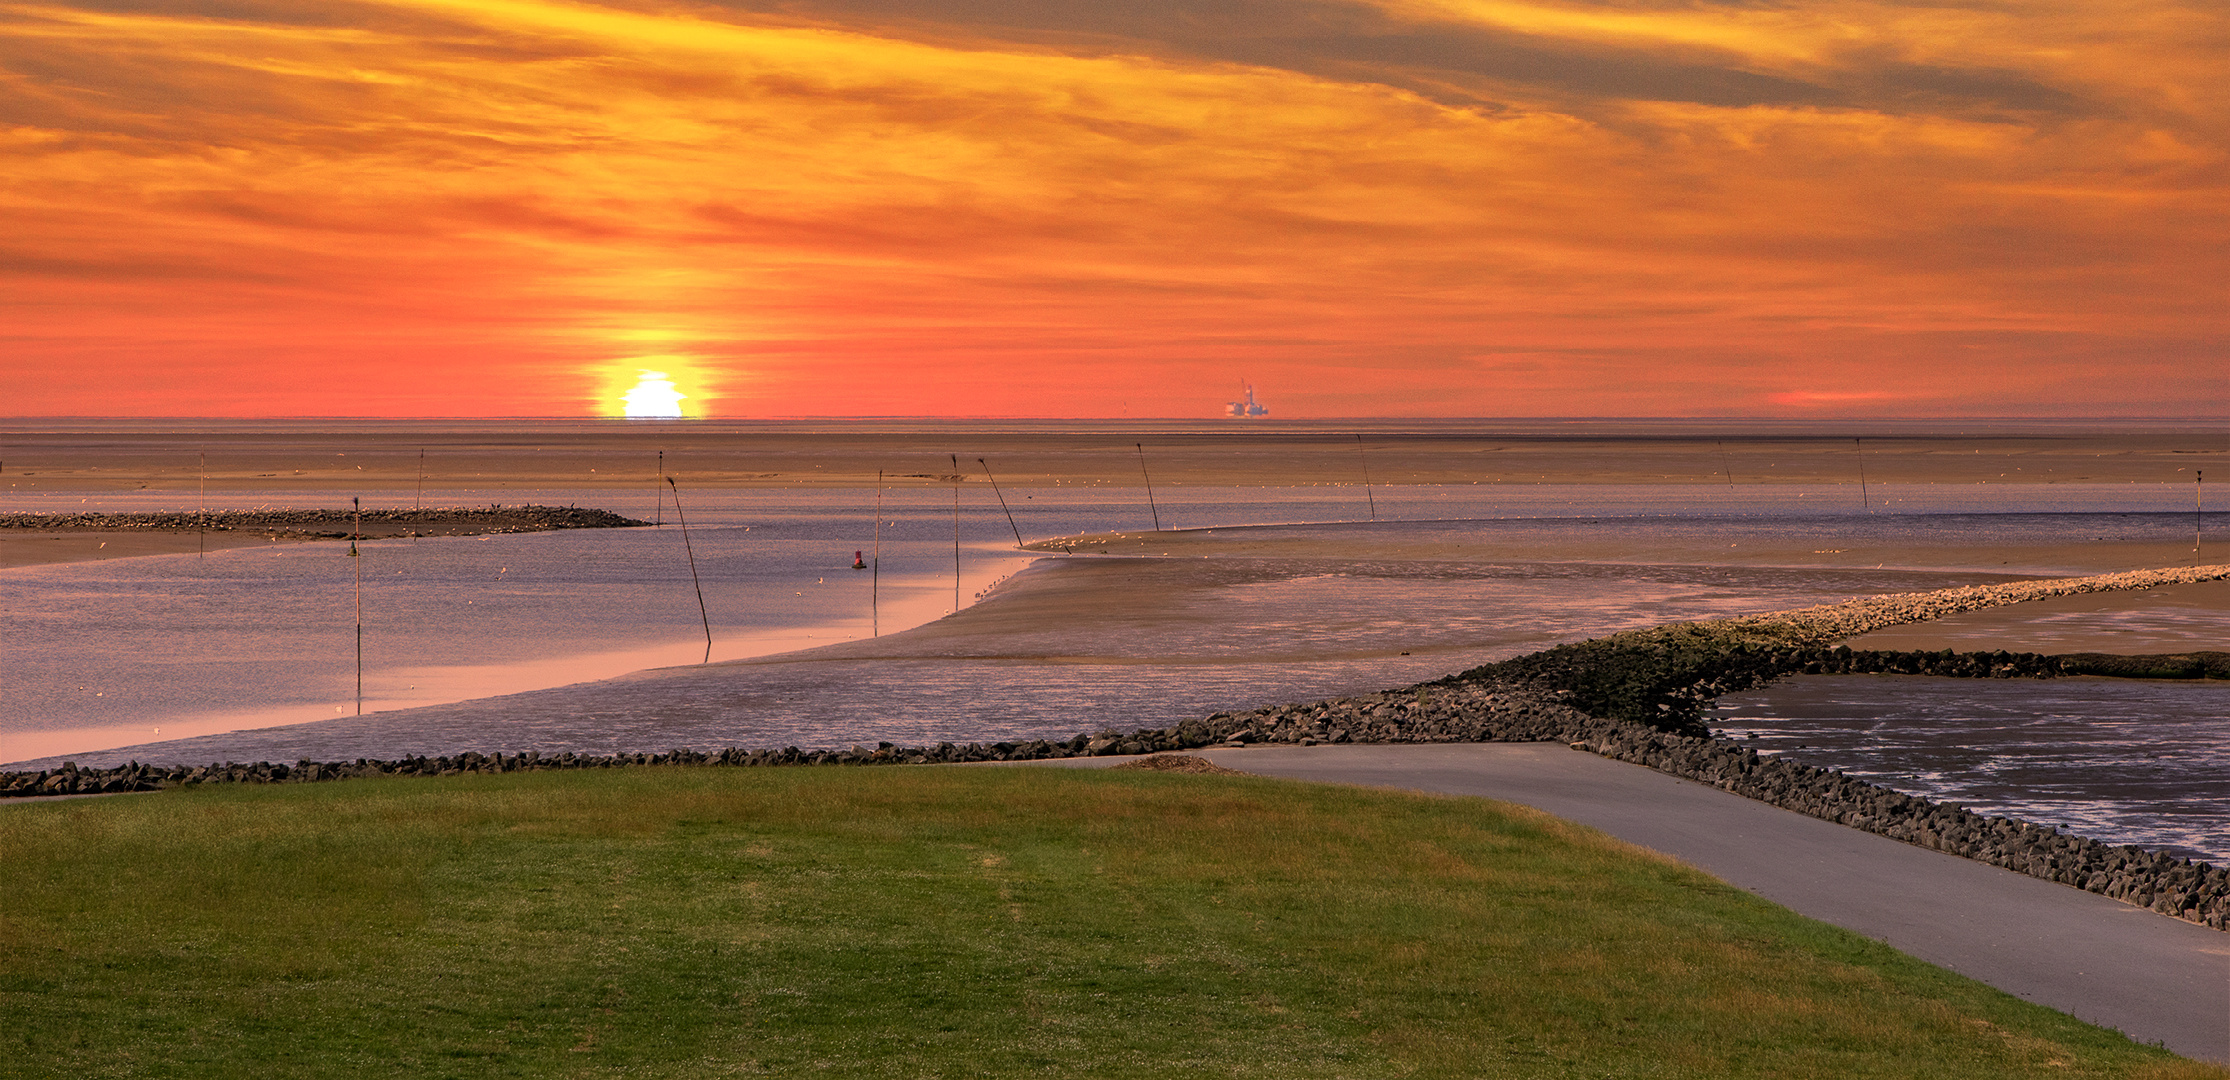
column 1817, row 399
column 1661, row 211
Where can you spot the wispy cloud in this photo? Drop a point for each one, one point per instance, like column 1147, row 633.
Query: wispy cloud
column 1938, row 207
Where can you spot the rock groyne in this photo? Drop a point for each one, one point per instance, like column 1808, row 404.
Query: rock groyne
column 331, row 523
column 1664, row 676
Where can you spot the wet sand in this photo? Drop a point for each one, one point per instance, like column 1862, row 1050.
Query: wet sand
column 39, row 547
column 2169, row 619
column 1083, row 644
column 1761, row 543
column 27, row 539
column 1303, row 609
column 1073, row 644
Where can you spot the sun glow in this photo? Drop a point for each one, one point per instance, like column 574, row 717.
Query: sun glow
column 654, row 395
column 906, row 208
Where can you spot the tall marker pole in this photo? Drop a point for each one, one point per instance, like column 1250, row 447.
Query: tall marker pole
column 661, row 508
column 1149, row 486
column 1863, row 502
column 684, row 519
column 875, row 573
column 201, row 512
column 2198, row 509
column 955, row 534
column 358, row 559
column 1359, row 456
column 419, row 503
column 1002, row 503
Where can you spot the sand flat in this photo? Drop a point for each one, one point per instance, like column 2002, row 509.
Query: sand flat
column 78, row 536
column 1764, row 543
column 34, row 547
column 2168, row 619
column 1392, row 597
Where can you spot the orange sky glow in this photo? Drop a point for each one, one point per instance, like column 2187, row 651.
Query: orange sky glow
column 1068, row 208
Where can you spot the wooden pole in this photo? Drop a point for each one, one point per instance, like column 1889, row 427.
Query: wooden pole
column 955, row 534
column 660, row 511
column 358, row 558
column 1149, row 486
column 1863, row 502
column 1002, row 503
column 1359, row 456
column 875, row 568
column 693, row 580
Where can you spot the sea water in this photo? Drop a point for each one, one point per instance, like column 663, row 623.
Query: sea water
column 2129, row 761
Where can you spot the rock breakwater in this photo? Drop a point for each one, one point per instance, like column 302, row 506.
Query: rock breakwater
column 1665, row 675
column 332, row 524
column 2193, row 891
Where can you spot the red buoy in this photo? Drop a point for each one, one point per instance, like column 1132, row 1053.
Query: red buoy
column 859, row 563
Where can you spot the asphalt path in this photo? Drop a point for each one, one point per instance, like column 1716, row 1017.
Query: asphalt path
column 2156, row 979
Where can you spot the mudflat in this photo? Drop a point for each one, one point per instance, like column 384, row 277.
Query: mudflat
column 42, row 538
column 1762, row 544
column 38, row 547
column 2168, row 619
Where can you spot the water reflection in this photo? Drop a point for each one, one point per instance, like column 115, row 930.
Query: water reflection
column 2124, row 761
column 123, row 653
column 1083, row 644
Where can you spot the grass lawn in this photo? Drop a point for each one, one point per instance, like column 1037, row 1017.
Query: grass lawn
column 936, row 922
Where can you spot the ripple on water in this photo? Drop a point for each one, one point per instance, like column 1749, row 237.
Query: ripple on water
column 2124, row 761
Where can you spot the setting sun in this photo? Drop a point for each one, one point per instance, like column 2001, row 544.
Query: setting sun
column 654, row 395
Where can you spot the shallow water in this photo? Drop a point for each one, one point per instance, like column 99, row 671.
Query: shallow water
column 1216, row 634
column 2125, row 761
column 124, row 653
column 105, row 653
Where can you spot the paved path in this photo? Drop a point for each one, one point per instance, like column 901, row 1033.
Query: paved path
column 2155, row 978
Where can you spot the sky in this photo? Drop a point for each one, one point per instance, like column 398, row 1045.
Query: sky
column 1105, row 208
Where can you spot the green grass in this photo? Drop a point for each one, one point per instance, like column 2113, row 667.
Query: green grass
column 936, row 922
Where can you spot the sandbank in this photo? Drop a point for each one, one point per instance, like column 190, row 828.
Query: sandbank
column 2167, row 619
column 1759, row 544
column 38, row 547
column 46, row 538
